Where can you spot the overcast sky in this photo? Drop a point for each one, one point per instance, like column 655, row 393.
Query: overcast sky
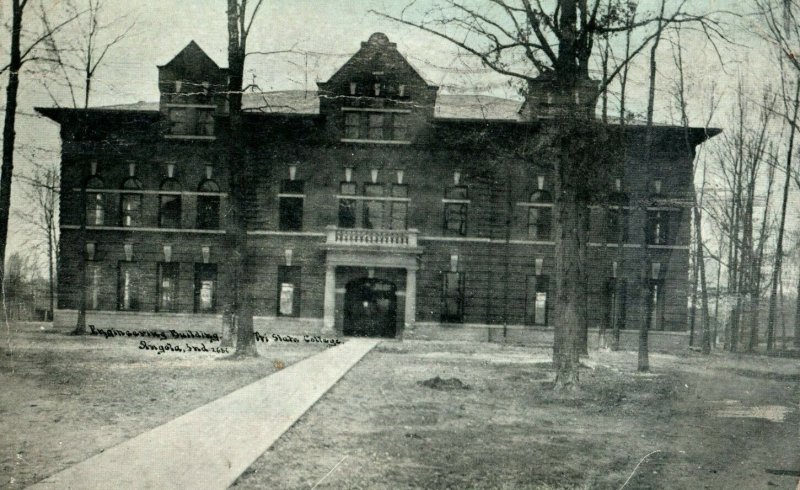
column 331, row 30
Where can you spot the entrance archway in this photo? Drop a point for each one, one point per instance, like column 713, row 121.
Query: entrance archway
column 370, row 308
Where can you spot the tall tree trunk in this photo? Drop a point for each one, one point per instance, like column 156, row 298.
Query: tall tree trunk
column 644, row 350
column 566, row 345
column 240, row 183
column 718, row 295
column 778, row 263
column 51, row 272
column 80, row 324
column 9, row 132
column 797, row 317
column 694, row 283
column 706, row 341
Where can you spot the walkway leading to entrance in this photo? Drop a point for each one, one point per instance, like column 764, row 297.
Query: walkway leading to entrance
column 211, row 446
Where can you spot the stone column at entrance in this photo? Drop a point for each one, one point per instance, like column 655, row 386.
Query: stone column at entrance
column 329, row 315
column 411, row 298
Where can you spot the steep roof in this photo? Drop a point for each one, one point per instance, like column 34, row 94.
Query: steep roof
column 189, row 57
column 378, row 54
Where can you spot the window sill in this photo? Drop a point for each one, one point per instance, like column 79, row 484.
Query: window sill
column 376, row 142
column 189, row 137
column 142, row 228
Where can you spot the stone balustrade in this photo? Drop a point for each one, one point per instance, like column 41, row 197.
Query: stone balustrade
column 372, row 238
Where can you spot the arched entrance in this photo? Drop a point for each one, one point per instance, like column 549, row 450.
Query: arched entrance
column 370, row 308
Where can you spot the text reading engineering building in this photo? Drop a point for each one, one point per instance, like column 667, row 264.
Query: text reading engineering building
column 378, row 207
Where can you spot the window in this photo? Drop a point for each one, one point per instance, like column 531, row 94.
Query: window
column 205, row 288
column 128, row 286
column 455, row 210
column 351, row 125
column 657, row 227
column 373, row 208
column 400, row 127
column 399, row 209
column 191, row 121
column 540, row 216
column 616, row 307
column 208, row 206
column 536, row 304
column 347, row 207
column 130, row 203
column 453, row 297
column 376, row 126
column 290, row 205
column 93, row 278
column 617, row 224
column 95, row 203
column 617, row 215
column 168, row 286
column 288, row 290
column 655, row 305
column 169, row 205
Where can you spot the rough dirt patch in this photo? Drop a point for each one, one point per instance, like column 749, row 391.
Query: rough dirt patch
column 443, row 384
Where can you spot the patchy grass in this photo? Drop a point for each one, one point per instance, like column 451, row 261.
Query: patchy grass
column 67, row 398
column 382, row 427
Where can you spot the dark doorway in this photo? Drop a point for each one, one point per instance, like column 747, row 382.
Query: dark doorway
column 370, row 308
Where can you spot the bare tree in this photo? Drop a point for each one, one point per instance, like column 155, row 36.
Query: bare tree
column 743, row 155
column 699, row 269
column 23, row 49
column 553, row 44
column 80, row 55
column 77, row 53
column 240, row 21
column 783, row 31
column 42, row 217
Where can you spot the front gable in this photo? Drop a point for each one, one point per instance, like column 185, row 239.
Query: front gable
column 377, row 62
column 377, row 97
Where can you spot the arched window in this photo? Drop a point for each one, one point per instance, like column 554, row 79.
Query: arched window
column 659, row 217
column 617, row 217
column 208, row 205
column 540, row 215
column 169, row 204
column 130, row 203
column 95, row 202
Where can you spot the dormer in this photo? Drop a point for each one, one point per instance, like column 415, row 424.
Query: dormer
column 376, row 97
column 192, row 88
column 546, row 98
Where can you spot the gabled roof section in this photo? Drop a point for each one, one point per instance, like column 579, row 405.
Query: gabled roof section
column 191, row 58
column 379, row 55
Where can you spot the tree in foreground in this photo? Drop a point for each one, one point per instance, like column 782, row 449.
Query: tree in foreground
column 549, row 46
column 74, row 56
column 240, row 20
column 25, row 42
column 783, row 31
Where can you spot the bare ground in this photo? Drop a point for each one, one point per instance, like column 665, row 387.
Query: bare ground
column 719, row 422
column 67, row 398
column 489, row 421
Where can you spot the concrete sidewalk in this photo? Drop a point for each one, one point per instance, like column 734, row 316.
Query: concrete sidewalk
column 211, row 446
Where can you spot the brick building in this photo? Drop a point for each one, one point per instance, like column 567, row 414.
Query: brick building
column 379, row 207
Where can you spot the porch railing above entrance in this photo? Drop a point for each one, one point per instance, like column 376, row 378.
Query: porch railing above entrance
column 372, row 238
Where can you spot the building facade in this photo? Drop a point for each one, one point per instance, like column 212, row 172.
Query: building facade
column 378, row 207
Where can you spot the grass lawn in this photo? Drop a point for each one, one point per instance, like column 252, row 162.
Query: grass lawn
column 720, row 422
column 64, row 398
